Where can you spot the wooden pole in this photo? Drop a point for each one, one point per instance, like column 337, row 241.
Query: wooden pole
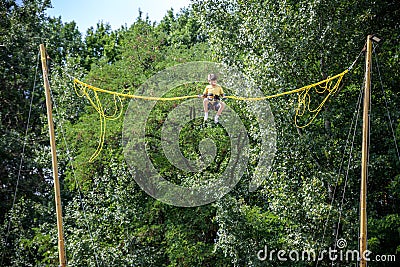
column 61, row 249
column 364, row 156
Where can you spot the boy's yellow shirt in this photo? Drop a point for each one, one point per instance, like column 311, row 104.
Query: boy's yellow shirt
column 216, row 90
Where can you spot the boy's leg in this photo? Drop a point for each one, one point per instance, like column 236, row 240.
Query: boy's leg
column 221, row 108
column 205, row 105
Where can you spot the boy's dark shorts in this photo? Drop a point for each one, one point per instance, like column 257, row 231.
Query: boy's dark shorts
column 214, row 105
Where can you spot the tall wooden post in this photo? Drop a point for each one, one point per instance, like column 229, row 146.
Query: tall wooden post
column 364, row 156
column 61, row 249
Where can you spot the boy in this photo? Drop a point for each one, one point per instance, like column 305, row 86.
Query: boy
column 212, row 96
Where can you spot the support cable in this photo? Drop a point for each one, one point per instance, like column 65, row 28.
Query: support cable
column 386, row 105
column 77, row 183
column 348, row 165
column 23, row 151
column 356, row 112
column 353, row 124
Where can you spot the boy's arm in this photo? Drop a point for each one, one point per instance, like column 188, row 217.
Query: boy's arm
column 204, row 93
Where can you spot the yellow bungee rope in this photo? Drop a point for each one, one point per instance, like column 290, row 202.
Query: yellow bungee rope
column 327, row 87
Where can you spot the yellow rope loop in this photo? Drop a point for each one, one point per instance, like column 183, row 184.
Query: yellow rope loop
column 324, row 87
column 304, row 102
column 81, row 90
column 304, row 98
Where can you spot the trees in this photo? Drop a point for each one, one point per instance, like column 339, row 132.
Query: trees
column 109, row 220
column 20, row 31
column 287, row 44
column 25, row 190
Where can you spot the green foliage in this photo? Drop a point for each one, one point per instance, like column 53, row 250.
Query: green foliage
column 110, row 221
column 102, row 43
column 287, row 44
column 65, row 39
column 182, row 30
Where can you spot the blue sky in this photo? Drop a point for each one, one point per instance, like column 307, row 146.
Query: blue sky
column 87, row 13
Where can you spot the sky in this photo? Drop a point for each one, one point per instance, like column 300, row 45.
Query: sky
column 87, row 13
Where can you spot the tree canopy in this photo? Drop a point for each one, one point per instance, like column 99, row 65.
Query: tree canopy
column 309, row 198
